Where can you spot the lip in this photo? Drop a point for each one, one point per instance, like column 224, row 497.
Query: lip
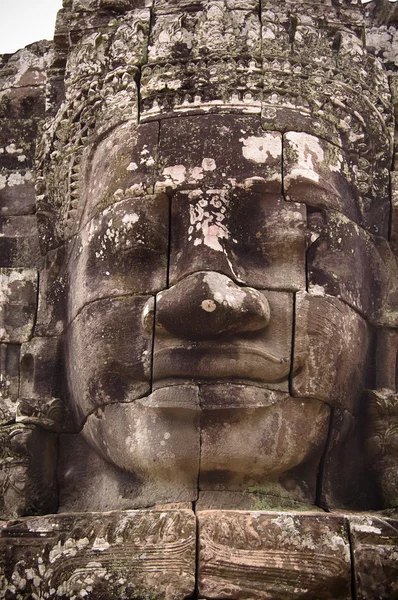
column 208, row 362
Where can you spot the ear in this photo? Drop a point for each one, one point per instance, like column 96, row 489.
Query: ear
column 42, row 397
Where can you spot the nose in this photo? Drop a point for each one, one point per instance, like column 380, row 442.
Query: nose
column 208, row 304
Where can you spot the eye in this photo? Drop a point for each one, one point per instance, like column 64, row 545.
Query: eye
column 124, row 249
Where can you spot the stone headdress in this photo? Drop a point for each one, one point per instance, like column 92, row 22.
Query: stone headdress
column 302, row 65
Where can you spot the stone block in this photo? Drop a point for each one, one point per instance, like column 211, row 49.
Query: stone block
column 42, row 394
column 218, row 151
column 256, row 448
column 18, row 299
column 375, row 556
column 17, row 143
column 260, row 555
column 120, row 357
column 22, row 103
column 157, row 442
column 27, row 470
column 19, row 242
column 347, row 262
column 345, row 478
column 331, row 344
column 52, row 301
column 318, row 173
column 124, row 250
column 253, row 237
column 9, row 370
column 131, row 554
column 149, row 454
column 17, row 192
column 26, row 67
column 122, row 165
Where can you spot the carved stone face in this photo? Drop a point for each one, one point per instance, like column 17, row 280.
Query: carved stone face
column 206, row 343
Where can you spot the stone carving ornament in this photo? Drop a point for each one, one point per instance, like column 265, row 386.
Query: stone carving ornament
column 217, row 310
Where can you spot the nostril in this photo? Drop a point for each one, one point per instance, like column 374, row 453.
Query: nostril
column 208, row 304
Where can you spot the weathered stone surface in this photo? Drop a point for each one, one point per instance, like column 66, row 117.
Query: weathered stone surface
column 382, row 443
column 322, row 176
column 9, row 373
column 27, row 470
column 210, row 304
column 346, row 262
column 386, row 358
column 18, row 298
column 196, row 151
column 330, row 338
column 19, row 243
column 119, row 365
column 253, row 237
column 25, row 68
column 17, row 142
column 207, row 349
column 52, row 309
column 236, row 454
column 121, row 251
column 212, row 30
column 344, row 479
column 159, row 444
column 197, row 367
column 17, row 192
column 42, row 395
column 132, row 554
column 134, row 150
column 394, row 213
column 375, row 552
column 273, row 555
column 106, row 486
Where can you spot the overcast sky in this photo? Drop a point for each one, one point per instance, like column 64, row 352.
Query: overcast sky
column 25, row 21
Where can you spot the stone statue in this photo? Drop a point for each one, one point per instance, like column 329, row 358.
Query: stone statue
column 216, row 326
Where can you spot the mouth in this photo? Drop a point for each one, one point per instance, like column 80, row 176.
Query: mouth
column 214, row 362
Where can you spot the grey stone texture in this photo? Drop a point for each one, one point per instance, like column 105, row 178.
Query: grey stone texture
column 198, row 302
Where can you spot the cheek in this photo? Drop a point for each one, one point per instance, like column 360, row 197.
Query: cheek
column 108, row 353
column 330, row 351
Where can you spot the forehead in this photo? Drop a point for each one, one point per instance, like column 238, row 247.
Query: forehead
column 218, row 192
column 222, row 151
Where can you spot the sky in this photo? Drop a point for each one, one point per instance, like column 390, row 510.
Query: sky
column 25, row 21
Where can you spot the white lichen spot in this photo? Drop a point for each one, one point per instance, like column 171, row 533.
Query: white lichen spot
column 133, row 218
column 19, row 179
column 132, row 166
column 364, row 528
column 209, row 164
column 317, row 290
column 209, row 305
column 260, row 149
column 196, row 174
column 308, row 149
column 175, row 174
